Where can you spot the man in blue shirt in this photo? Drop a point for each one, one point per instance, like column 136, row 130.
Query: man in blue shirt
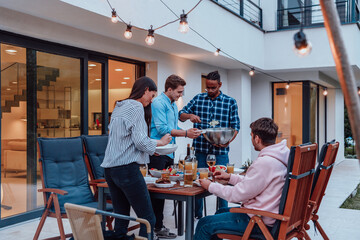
column 165, row 120
column 216, row 108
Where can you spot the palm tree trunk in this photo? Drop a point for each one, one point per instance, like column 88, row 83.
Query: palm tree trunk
column 343, row 68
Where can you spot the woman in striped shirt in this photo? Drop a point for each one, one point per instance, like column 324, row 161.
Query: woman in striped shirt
column 129, row 146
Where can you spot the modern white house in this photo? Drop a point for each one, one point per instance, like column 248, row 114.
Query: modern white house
column 64, row 63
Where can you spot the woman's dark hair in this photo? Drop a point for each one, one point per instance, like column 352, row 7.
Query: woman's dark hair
column 138, row 90
column 266, row 129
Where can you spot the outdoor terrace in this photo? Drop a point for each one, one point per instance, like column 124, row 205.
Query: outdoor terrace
column 338, row 223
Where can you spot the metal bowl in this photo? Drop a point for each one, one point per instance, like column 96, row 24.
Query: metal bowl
column 218, row 135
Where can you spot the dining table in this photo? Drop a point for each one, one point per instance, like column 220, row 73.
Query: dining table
column 180, row 193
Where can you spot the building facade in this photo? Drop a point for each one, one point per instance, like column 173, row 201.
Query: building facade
column 64, row 63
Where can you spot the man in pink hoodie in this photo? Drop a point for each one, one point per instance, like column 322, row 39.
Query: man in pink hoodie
column 260, row 188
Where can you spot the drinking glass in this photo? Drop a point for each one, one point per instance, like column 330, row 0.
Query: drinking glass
column 204, row 173
column 182, row 161
column 230, row 168
column 188, row 178
column 211, row 160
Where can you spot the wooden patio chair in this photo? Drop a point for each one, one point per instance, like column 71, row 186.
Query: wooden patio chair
column 293, row 204
column 85, row 222
column 323, row 171
column 64, row 179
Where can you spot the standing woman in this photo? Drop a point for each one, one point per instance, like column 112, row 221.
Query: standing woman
column 129, row 145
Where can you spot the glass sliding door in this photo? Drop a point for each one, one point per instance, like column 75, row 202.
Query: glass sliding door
column 13, row 131
column 288, row 112
column 58, row 95
column 95, row 79
column 298, row 110
column 121, row 79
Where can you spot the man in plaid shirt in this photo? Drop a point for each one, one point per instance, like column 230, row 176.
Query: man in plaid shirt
column 206, row 108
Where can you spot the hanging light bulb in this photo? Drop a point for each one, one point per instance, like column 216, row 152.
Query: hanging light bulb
column 184, row 26
column 302, row 47
column 287, row 85
column 217, row 52
column 359, row 91
column 150, row 40
column 114, row 16
column 252, row 72
column 325, row 92
column 128, row 33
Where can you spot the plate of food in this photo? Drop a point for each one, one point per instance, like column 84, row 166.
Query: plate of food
column 167, row 149
column 217, row 168
column 164, row 183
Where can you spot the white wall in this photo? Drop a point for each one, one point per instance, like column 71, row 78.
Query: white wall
column 240, row 148
column 335, row 119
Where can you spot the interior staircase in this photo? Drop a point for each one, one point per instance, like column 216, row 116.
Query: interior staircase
column 13, row 83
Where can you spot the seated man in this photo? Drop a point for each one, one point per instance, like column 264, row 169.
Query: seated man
column 260, row 188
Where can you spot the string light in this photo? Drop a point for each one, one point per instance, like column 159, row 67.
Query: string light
column 252, row 72
column 287, row 85
column 150, row 40
column 128, row 33
column 114, row 16
column 325, row 92
column 359, row 91
column 184, row 26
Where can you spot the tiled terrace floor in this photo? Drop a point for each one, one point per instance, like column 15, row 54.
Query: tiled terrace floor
column 338, row 223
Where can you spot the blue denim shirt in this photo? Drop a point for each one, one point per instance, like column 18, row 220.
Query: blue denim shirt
column 164, row 118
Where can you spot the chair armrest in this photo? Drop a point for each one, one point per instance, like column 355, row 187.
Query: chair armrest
column 95, row 182
column 260, row 213
column 53, row 190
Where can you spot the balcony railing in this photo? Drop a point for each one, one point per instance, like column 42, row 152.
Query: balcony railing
column 312, row 15
column 245, row 9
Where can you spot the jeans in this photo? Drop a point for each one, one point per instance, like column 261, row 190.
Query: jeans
column 222, row 220
column 128, row 189
column 220, row 160
column 159, row 162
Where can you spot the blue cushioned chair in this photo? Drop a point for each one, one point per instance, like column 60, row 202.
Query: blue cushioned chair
column 293, row 203
column 95, row 147
column 64, row 178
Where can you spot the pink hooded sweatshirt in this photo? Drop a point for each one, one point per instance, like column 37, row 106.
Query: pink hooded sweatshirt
column 261, row 187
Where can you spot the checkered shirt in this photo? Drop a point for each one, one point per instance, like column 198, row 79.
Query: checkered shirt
column 223, row 109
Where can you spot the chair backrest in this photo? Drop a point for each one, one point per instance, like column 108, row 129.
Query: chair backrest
column 95, row 147
column 84, row 222
column 297, row 189
column 63, row 167
column 323, row 171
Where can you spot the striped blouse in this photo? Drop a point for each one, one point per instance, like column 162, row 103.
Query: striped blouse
column 128, row 139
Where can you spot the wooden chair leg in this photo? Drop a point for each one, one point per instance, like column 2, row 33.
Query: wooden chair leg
column 43, row 218
column 321, row 230
column 306, row 235
column 263, row 228
column 58, row 217
column 41, row 224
